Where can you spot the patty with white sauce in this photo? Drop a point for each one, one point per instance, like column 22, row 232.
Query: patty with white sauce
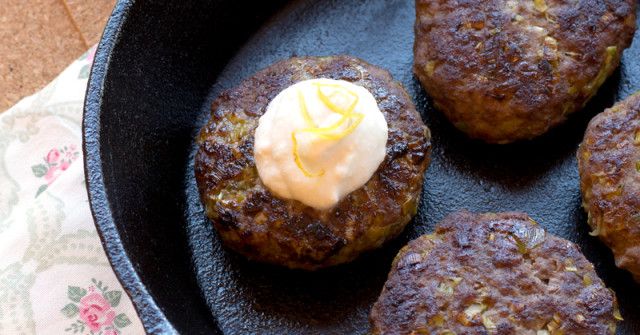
column 256, row 223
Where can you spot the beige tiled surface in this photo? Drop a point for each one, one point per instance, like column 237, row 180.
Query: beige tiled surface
column 38, row 40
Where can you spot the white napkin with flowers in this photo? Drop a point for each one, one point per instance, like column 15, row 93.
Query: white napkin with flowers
column 54, row 275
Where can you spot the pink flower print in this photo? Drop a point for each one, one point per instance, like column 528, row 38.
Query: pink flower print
column 56, row 161
column 53, row 156
column 96, row 312
column 64, row 165
column 52, row 174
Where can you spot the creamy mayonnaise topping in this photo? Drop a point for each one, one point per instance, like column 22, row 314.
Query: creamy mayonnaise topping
column 320, row 140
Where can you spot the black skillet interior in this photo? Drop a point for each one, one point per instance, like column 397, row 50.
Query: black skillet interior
column 159, row 66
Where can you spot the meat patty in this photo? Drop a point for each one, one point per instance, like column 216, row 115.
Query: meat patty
column 609, row 165
column 506, row 70
column 256, row 223
column 493, row 274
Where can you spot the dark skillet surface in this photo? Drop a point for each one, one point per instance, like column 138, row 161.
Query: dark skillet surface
column 148, row 99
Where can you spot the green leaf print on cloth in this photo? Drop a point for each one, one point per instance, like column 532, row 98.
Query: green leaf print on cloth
column 49, row 248
column 93, row 309
column 55, row 162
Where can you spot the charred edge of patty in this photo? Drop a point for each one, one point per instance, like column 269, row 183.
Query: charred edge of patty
column 609, row 166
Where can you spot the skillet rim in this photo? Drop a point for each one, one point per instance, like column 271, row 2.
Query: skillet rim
column 153, row 319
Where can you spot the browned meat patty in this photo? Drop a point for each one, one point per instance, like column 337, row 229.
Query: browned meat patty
column 506, row 70
column 609, row 164
column 257, row 224
column 493, row 274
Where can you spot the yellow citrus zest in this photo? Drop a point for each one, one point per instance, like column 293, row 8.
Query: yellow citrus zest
column 296, row 158
column 330, row 131
column 327, row 132
column 333, row 107
column 305, row 112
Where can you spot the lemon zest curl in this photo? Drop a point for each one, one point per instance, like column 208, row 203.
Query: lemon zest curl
column 329, row 132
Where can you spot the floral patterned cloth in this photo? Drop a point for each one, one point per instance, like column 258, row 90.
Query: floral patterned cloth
column 54, row 274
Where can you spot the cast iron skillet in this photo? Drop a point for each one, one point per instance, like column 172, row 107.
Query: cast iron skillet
column 159, row 66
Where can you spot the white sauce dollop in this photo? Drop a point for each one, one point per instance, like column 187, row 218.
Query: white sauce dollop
column 330, row 163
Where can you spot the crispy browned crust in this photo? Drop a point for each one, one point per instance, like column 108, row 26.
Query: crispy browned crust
column 504, row 70
column 255, row 223
column 518, row 278
column 609, row 165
